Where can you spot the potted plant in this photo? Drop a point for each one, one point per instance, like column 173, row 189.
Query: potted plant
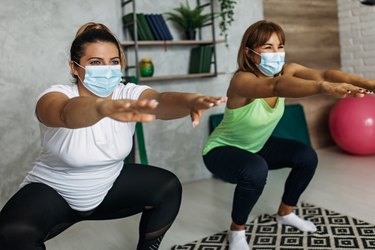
column 227, row 16
column 189, row 19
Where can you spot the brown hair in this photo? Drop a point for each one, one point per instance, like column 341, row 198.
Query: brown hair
column 256, row 35
column 90, row 33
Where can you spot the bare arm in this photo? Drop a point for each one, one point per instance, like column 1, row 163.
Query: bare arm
column 339, row 76
column 247, row 85
column 336, row 76
column 173, row 105
column 57, row 110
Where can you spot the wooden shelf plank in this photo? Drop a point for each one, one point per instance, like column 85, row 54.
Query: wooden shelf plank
column 170, row 42
column 176, row 77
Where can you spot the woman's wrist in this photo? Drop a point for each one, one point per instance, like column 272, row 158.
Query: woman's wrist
column 101, row 105
column 371, row 85
column 320, row 85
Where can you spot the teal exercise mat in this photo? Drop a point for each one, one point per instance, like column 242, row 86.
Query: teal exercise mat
column 291, row 126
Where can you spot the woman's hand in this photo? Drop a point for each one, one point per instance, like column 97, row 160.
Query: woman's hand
column 342, row 90
column 127, row 110
column 200, row 104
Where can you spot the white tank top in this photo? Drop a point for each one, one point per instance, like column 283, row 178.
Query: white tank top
column 82, row 164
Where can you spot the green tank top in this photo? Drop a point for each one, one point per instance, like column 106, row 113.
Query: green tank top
column 247, row 127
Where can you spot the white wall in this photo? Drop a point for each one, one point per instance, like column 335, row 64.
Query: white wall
column 35, row 38
column 357, row 37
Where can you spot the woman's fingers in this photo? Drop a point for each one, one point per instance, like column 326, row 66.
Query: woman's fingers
column 344, row 90
column 135, row 105
column 133, row 110
column 202, row 103
column 206, row 102
column 215, row 100
column 135, row 117
column 355, row 91
column 196, row 117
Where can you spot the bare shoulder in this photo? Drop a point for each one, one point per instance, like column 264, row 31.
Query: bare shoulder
column 240, row 84
column 241, row 78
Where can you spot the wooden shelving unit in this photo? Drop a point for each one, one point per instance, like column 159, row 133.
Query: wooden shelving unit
column 170, row 43
column 136, row 45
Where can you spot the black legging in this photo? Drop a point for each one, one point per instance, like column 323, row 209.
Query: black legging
column 249, row 171
column 37, row 212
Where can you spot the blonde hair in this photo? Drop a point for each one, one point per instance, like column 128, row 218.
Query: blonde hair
column 93, row 32
column 256, row 35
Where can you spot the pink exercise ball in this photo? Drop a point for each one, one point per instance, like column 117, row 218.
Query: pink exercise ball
column 352, row 125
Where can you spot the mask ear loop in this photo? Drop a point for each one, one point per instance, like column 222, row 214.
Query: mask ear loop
column 255, row 52
column 79, row 65
column 248, row 54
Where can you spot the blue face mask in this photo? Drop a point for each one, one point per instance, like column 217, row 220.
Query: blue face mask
column 101, row 80
column 271, row 63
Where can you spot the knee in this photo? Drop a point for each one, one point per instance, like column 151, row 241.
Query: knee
column 175, row 186
column 254, row 175
column 308, row 158
column 172, row 188
column 18, row 236
column 311, row 158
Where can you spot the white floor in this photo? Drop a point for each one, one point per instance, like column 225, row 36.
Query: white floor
column 342, row 183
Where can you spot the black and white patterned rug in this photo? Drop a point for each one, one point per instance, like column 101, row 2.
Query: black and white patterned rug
column 335, row 231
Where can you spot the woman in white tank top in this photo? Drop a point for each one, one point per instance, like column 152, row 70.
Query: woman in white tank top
column 86, row 130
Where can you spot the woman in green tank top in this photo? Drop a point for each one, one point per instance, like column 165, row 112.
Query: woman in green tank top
column 241, row 149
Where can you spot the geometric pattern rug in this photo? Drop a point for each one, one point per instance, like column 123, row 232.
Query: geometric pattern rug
column 335, row 231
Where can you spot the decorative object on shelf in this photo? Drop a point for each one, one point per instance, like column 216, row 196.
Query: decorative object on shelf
column 146, row 67
column 189, row 19
column 226, row 14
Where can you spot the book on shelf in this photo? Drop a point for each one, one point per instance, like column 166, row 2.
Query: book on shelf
column 163, row 27
column 200, row 59
column 128, row 23
column 149, row 27
column 207, row 59
column 153, row 26
column 196, row 57
column 144, row 26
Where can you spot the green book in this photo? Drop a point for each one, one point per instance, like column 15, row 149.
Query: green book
column 196, row 58
column 141, row 32
column 201, row 60
column 207, row 59
column 145, row 27
column 128, row 22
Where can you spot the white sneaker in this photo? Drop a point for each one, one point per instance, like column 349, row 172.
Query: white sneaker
column 293, row 220
column 237, row 240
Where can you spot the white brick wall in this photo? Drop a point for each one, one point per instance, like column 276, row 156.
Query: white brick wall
column 357, row 37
